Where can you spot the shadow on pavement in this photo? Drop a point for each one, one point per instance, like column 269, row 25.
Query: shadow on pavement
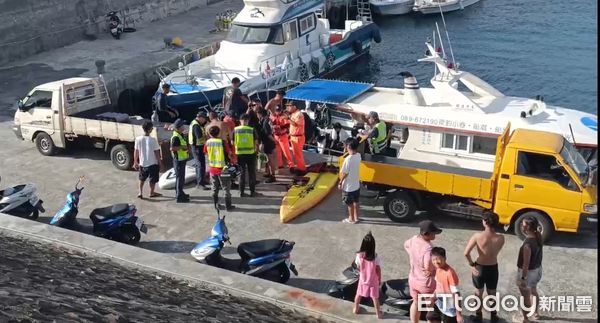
column 168, row 246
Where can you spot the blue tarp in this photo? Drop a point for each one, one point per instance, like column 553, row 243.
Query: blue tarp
column 328, row 91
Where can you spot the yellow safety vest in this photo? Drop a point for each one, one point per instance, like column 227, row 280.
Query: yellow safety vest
column 243, row 140
column 216, row 153
column 199, row 141
column 180, row 154
column 378, row 143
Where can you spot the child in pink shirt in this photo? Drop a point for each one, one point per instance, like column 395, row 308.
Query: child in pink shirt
column 369, row 267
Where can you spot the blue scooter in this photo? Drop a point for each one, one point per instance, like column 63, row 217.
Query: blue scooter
column 116, row 222
column 65, row 217
column 264, row 258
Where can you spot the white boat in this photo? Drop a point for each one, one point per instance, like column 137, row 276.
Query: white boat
column 392, row 7
column 435, row 6
column 271, row 44
column 456, row 122
column 167, row 180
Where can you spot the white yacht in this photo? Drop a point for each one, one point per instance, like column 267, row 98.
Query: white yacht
column 435, row 6
column 271, row 44
column 456, row 122
column 392, row 7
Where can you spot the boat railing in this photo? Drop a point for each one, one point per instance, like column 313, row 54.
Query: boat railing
column 211, row 76
column 274, row 60
column 163, row 71
column 200, row 53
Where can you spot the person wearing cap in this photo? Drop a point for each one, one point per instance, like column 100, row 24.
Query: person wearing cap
column 377, row 136
column 161, row 104
column 197, row 138
column 245, row 143
column 421, row 277
column 180, row 151
column 297, row 138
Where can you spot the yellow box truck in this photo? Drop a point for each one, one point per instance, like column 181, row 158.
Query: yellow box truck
column 535, row 174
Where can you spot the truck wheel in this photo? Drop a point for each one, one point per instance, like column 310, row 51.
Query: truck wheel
column 399, row 207
column 545, row 227
column 121, row 157
column 45, row 144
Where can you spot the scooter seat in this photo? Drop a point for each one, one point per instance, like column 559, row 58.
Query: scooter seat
column 397, row 288
column 103, row 213
column 254, row 249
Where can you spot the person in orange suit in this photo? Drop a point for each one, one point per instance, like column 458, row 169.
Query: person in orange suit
column 281, row 129
column 297, row 137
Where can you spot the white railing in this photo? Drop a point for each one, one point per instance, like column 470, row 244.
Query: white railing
column 200, row 53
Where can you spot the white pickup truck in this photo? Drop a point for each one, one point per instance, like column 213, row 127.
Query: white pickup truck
column 55, row 113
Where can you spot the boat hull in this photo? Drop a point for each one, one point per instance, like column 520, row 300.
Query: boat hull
column 389, row 8
column 311, row 65
column 451, row 6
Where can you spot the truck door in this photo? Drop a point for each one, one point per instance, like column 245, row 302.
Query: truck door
column 38, row 113
column 541, row 183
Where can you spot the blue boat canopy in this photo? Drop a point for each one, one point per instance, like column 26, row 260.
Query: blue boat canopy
column 328, row 91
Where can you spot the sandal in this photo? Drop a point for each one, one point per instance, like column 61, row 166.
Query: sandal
column 156, row 195
column 140, row 196
column 348, row 221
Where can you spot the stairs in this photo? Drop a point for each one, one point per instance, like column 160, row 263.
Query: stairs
column 363, row 8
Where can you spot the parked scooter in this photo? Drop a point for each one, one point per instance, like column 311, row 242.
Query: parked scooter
column 21, row 200
column 116, row 222
column 65, row 217
column 263, row 258
column 394, row 293
column 114, row 24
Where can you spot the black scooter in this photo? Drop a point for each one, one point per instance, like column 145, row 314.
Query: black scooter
column 114, row 24
column 394, row 293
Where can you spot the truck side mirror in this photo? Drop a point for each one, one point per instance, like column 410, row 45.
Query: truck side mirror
column 20, row 105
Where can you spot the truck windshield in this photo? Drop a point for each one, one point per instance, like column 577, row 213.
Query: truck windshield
column 572, row 157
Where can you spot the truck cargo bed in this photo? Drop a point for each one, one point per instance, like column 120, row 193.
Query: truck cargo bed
column 429, row 177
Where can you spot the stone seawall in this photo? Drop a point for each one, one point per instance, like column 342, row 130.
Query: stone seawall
column 28, row 27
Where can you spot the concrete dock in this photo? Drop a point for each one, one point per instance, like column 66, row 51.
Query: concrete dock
column 324, row 245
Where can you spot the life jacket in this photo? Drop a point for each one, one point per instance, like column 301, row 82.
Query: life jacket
column 243, row 140
column 215, row 153
column 199, row 141
column 379, row 143
column 180, row 155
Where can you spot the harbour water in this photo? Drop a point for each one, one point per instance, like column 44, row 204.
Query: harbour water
column 523, row 48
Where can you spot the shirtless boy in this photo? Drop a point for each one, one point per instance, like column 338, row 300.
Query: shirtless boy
column 485, row 268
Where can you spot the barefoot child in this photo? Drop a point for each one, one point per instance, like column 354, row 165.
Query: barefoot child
column 349, row 180
column 369, row 267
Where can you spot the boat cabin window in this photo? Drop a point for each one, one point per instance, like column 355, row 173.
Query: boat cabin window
column 290, row 30
column 255, row 34
column 544, row 167
column 452, row 141
column 484, row 145
column 307, row 24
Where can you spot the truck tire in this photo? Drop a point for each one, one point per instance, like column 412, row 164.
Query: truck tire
column 45, row 144
column 546, row 227
column 399, row 207
column 121, row 157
